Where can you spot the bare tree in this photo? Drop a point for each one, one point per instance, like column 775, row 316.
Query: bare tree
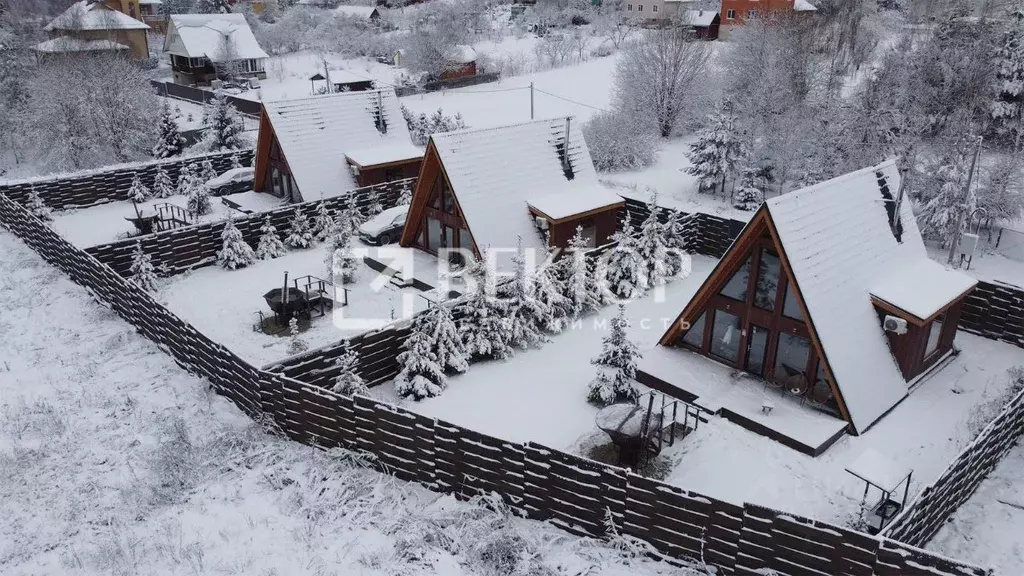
column 615, row 23
column 657, row 77
column 226, row 60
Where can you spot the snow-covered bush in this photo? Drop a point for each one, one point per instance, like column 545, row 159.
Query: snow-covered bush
column 138, row 192
column 207, row 172
column 198, row 202
column 235, row 162
column 234, row 252
column 270, row 245
column 296, row 343
column 405, row 196
column 616, row 365
column 299, row 234
column 142, row 270
column 617, row 143
column 163, row 187
column 624, row 269
column 422, row 126
column 37, row 207
column 169, row 140
column 483, row 322
column 348, row 381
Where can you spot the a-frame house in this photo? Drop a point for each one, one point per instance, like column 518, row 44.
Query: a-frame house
column 827, row 294
column 486, row 188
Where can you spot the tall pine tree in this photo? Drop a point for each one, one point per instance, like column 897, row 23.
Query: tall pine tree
column 270, row 245
column 299, row 234
column 652, row 247
column 421, row 376
column 718, row 151
column 581, row 287
column 625, row 271
column 1007, row 109
column 142, row 270
column 169, row 141
column 163, row 187
column 525, row 312
column 225, row 125
column 483, row 322
column 616, row 365
column 234, row 252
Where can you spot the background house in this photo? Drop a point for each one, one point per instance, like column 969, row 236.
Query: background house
column 148, row 11
column 736, row 12
column 203, row 47
column 92, row 26
column 323, row 146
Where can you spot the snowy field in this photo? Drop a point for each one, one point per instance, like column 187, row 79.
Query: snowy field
column 987, row 528
column 105, row 223
column 540, row 395
column 115, row 461
column 223, row 304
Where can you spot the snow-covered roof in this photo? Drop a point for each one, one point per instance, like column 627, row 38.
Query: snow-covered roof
column 922, row 288
column 316, row 133
column 65, row 44
column 202, row 35
column 384, row 154
column 85, row 15
column 576, row 201
column 462, row 54
column 879, row 469
column 144, row 2
column 496, row 172
column 339, row 76
column 837, row 239
column 701, row 17
column 804, row 6
column 356, row 11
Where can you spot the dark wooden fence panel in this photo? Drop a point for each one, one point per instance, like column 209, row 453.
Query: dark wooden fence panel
column 572, row 492
column 176, row 251
column 995, row 311
column 200, row 96
column 89, row 188
column 707, row 235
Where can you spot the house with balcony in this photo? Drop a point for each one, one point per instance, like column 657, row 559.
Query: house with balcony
column 91, row 26
column 148, row 11
column 205, row 47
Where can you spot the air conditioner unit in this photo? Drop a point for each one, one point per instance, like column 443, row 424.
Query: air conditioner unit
column 895, row 324
column 542, row 223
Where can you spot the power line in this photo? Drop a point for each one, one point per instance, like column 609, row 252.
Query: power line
column 570, row 100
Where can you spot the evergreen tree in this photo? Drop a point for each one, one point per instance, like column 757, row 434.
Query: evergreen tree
column 295, row 342
column 162, row 185
column 234, row 252
column 405, row 196
column 208, row 172
column 373, row 205
column 348, row 381
column 351, row 216
column 448, row 346
column 198, row 202
column 270, row 245
column 525, row 313
column 1007, row 109
column 138, row 192
column 142, row 270
column 945, row 214
column 581, row 287
column 1000, row 193
column 235, row 162
column 750, row 193
column 225, row 125
column 299, row 234
column 37, row 207
column 421, row 376
column 652, row 247
column 187, row 179
column 340, row 260
column 483, row 325
column 616, row 365
column 625, row 271
column 323, row 222
column 717, row 152
column 549, row 287
column 169, row 142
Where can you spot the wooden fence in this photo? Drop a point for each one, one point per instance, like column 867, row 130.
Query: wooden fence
column 181, row 249
column 83, row 189
column 545, row 484
column 200, row 96
column 710, row 236
column 995, row 311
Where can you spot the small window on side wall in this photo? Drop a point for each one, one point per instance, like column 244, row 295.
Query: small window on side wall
column 934, row 335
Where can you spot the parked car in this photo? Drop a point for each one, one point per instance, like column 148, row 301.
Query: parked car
column 234, row 180
column 384, row 228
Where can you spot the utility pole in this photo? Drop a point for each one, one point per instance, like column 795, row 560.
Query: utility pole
column 530, row 100
column 960, row 221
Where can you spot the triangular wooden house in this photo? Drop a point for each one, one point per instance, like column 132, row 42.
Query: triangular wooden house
column 829, row 295
column 488, row 187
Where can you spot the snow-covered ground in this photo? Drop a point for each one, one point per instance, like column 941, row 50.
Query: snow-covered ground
column 113, row 460
column 987, row 528
column 540, row 395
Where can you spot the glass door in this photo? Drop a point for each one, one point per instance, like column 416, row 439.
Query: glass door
column 757, row 348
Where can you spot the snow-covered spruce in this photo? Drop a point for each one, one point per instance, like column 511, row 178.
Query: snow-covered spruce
column 1007, row 109
column 142, row 270
column 186, row 179
column 483, row 322
column 234, row 252
column 421, row 127
column 448, row 346
column 718, row 151
column 405, row 196
column 373, row 205
column 235, row 162
column 616, row 365
column 944, row 215
column 351, row 216
column 323, row 222
column 169, row 141
column 524, row 312
column 163, row 187
column 138, row 192
column 198, row 202
column 207, row 172
column 299, row 234
column 270, row 245
column 549, row 289
column 748, row 195
column 225, row 125
column 37, row 207
column 348, row 381
column 296, row 343
column 581, row 287
column 652, row 247
column 421, row 376
column 625, row 271
column 340, row 262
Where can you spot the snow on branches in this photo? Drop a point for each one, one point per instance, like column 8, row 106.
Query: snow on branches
column 718, row 151
column 37, row 207
column 138, row 192
column 163, row 187
column 483, row 322
column 341, row 262
column 225, row 126
column 270, row 245
column 234, row 252
column 625, row 270
column 616, row 365
column 433, row 346
column 348, row 381
column 299, row 234
column 169, row 141
column 142, row 271
column 422, row 126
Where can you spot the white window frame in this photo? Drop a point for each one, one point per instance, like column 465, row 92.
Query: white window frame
column 654, row 8
column 730, row 14
column 752, row 14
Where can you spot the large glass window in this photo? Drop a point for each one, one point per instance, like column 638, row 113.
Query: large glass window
column 448, row 201
column 736, row 288
column 790, row 307
column 725, row 337
column 767, row 281
column 934, row 333
column 695, row 335
column 465, row 240
column 433, row 233
column 275, row 179
column 757, row 345
column 791, row 361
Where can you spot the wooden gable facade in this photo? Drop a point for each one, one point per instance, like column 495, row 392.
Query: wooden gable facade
column 435, row 218
column 272, row 173
column 750, row 315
